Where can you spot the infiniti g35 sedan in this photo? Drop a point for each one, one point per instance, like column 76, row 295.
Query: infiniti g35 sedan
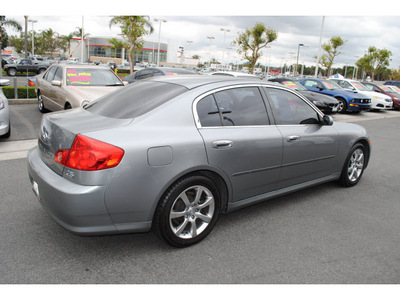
column 172, row 153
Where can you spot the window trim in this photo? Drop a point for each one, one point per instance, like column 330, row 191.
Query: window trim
column 212, row 92
column 266, row 100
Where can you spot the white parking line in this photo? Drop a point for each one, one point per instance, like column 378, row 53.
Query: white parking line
column 16, row 149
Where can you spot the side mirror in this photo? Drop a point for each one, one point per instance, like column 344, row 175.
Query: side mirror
column 327, row 120
column 56, row 83
column 125, row 82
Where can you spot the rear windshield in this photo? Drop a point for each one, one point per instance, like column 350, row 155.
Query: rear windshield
column 135, row 100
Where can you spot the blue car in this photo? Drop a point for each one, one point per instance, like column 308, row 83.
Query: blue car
column 348, row 101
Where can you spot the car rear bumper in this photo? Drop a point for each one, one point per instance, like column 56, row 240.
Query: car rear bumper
column 78, row 208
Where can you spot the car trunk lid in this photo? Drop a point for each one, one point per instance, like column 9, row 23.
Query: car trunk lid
column 58, row 131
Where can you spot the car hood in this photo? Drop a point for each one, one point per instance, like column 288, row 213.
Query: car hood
column 350, row 94
column 313, row 96
column 373, row 94
column 91, row 93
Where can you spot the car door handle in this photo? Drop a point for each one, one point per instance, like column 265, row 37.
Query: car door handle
column 293, row 138
column 222, row 144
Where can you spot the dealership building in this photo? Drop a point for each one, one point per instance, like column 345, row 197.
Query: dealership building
column 99, row 48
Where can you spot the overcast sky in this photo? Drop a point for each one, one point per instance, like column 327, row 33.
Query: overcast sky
column 295, row 21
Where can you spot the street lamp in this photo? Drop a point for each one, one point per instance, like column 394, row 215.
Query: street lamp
column 210, row 38
column 33, row 44
column 159, row 35
column 223, row 51
column 298, row 53
column 189, row 42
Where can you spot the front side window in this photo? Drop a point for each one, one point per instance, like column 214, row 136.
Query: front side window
column 50, row 74
column 312, row 84
column 289, row 109
column 233, row 107
column 58, row 75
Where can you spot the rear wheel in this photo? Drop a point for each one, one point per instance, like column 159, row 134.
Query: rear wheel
column 12, row 72
column 354, row 166
column 188, row 211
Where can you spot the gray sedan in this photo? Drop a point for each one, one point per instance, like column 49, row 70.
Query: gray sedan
column 172, row 153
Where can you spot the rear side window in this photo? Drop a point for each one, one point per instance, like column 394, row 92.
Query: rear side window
column 233, row 107
column 135, row 100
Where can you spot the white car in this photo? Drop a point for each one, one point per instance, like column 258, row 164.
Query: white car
column 379, row 101
column 5, row 128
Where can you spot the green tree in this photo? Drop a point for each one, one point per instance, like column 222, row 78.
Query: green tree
column 374, row 61
column 253, row 40
column 133, row 28
column 3, row 34
column 48, row 41
column 331, row 51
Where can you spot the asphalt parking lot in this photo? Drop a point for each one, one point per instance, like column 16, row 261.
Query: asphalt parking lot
column 322, row 235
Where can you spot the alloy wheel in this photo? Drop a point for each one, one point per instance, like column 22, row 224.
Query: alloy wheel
column 192, row 212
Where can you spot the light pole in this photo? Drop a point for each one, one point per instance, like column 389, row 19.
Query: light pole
column 223, row 51
column 298, row 53
column 33, row 44
column 159, row 35
column 189, row 42
column 210, row 38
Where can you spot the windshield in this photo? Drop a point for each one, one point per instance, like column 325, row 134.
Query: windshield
column 294, row 85
column 395, row 88
column 330, row 85
column 359, row 86
column 91, row 77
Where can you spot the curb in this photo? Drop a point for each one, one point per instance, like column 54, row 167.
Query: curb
column 22, row 101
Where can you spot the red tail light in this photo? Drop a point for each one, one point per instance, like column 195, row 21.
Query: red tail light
column 31, row 83
column 88, row 154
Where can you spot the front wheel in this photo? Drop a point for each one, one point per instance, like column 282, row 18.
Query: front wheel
column 342, row 106
column 41, row 107
column 188, row 211
column 354, row 166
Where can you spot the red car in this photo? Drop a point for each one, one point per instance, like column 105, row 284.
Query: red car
column 380, row 88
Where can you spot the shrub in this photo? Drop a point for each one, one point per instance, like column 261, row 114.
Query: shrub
column 22, row 91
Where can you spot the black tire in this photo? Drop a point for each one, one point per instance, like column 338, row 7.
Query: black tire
column 342, row 106
column 68, row 106
column 354, row 166
column 41, row 107
column 12, row 72
column 180, row 219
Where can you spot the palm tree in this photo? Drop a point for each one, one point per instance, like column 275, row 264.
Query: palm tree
column 133, row 28
column 11, row 23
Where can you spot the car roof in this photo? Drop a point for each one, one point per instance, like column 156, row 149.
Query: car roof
column 170, row 70
column 193, row 81
column 80, row 66
column 233, row 73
